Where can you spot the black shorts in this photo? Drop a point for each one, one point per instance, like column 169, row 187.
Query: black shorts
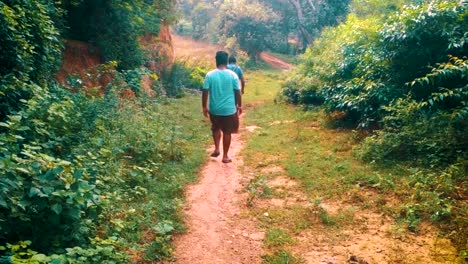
column 227, row 124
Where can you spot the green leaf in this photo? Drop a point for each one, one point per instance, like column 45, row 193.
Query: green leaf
column 83, row 186
column 74, row 213
column 24, row 170
column 3, row 202
column 40, row 258
column 33, row 192
column 77, row 174
column 57, row 208
column 23, row 204
column 164, row 227
column 47, row 190
column 58, row 261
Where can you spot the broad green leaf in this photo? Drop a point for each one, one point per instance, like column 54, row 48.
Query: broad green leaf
column 24, row 170
column 33, row 192
column 57, row 208
column 40, row 258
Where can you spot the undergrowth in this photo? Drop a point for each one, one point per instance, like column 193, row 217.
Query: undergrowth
column 96, row 180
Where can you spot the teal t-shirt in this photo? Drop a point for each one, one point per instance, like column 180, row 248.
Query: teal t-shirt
column 236, row 69
column 221, row 85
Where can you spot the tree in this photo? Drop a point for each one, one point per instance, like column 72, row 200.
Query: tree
column 309, row 17
column 201, row 17
column 114, row 26
column 252, row 24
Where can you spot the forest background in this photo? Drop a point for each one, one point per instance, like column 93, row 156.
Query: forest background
column 77, row 156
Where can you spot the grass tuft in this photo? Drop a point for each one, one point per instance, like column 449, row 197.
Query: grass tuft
column 282, row 257
column 276, row 237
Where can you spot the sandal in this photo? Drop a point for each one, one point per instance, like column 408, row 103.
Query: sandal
column 214, row 154
column 227, row 160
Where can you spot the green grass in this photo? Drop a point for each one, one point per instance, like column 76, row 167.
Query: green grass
column 321, row 158
column 281, row 257
column 317, row 157
column 165, row 149
column 261, row 86
column 276, row 237
column 291, row 59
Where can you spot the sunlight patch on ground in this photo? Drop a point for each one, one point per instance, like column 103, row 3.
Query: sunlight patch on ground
column 308, row 184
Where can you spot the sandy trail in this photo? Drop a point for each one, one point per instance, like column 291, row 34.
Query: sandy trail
column 216, row 231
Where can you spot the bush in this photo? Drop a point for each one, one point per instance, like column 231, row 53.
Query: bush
column 428, row 131
column 100, row 251
column 44, row 181
column 74, row 167
column 31, row 50
column 302, row 90
column 183, row 75
column 360, row 67
column 71, row 163
column 403, row 71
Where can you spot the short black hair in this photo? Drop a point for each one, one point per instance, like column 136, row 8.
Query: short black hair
column 232, row 59
column 221, row 58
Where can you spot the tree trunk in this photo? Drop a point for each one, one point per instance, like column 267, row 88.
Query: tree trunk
column 307, row 38
column 312, row 5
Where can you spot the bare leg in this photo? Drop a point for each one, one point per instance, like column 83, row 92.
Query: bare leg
column 216, row 139
column 226, row 145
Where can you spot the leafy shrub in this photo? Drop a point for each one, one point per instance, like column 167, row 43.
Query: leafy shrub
column 302, row 91
column 31, row 49
column 183, row 75
column 74, row 165
column 100, row 251
column 440, row 117
column 360, row 67
column 325, row 64
column 44, row 182
column 399, row 76
column 402, row 69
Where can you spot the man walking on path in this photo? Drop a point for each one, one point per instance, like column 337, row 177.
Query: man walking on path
column 221, row 86
column 237, row 69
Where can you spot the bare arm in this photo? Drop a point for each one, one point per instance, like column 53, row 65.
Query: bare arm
column 205, row 103
column 239, row 102
column 242, row 84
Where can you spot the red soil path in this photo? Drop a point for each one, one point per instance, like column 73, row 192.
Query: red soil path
column 216, row 231
column 275, row 62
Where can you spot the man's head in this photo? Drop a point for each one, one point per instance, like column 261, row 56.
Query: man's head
column 232, row 60
column 221, row 58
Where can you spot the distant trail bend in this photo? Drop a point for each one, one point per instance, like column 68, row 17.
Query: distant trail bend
column 275, row 62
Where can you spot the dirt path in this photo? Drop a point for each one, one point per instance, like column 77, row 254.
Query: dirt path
column 216, row 231
column 275, row 62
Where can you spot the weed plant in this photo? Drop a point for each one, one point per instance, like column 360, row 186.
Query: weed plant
column 277, row 237
column 88, row 180
column 281, row 257
column 184, row 74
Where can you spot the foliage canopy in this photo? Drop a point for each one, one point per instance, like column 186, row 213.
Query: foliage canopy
column 66, row 158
